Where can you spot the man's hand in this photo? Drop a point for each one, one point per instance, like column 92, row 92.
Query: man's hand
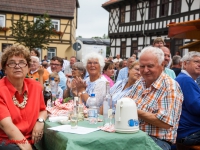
column 41, row 71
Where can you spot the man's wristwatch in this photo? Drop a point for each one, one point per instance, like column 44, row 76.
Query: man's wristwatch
column 40, row 120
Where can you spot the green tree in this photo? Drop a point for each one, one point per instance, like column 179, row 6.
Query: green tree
column 105, row 36
column 33, row 34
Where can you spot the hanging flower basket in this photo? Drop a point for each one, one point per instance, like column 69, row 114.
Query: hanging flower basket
column 58, row 32
column 4, row 29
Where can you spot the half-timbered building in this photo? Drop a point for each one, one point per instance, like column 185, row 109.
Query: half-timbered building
column 64, row 19
column 134, row 24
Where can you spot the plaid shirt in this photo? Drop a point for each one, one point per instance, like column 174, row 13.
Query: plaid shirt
column 164, row 99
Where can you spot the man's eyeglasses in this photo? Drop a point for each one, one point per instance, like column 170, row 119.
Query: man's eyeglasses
column 13, row 65
column 54, row 64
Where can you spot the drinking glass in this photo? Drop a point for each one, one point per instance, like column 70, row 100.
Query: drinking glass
column 80, row 112
column 74, row 121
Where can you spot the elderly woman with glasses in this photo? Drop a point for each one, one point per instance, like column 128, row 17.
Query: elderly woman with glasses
column 22, row 106
column 122, row 88
column 95, row 83
column 78, row 70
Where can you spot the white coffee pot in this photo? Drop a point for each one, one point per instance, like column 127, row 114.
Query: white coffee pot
column 126, row 117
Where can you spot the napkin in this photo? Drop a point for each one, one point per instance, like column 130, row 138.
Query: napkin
column 108, row 128
column 60, row 108
column 58, row 118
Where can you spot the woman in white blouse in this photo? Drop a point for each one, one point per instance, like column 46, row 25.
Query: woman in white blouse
column 95, row 83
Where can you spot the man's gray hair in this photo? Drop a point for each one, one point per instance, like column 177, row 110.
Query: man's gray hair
column 155, row 51
column 176, row 59
column 94, row 55
column 131, row 58
column 36, row 58
column 190, row 55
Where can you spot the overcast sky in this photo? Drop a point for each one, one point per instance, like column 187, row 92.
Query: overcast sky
column 92, row 19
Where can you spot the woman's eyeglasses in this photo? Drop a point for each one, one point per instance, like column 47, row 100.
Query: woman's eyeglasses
column 94, row 63
column 13, row 65
column 74, row 69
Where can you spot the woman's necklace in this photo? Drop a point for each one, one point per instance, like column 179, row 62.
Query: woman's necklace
column 22, row 104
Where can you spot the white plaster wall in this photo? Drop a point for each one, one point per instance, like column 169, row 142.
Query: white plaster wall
column 128, row 42
column 140, row 40
column 196, row 16
column 128, row 51
column 118, row 42
column 127, row 17
column 158, row 12
column 117, row 50
column 113, row 43
column 147, row 11
column 148, row 40
column 134, row 39
column 112, row 51
column 195, row 5
column 127, row 14
column 170, row 8
column 138, row 18
column 128, row 8
column 184, row 7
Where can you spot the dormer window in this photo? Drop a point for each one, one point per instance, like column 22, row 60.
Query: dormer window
column 2, row 20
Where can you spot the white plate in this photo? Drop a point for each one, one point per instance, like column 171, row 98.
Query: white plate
column 126, row 131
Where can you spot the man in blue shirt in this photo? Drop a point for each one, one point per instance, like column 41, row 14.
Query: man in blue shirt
column 189, row 125
column 123, row 73
column 56, row 65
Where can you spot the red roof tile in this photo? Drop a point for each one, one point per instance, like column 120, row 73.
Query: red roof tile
column 60, row 8
column 110, row 2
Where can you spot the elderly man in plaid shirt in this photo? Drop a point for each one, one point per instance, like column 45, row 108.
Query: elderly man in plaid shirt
column 158, row 98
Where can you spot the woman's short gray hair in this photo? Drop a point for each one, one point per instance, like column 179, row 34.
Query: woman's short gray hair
column 190, row 55
column 155, row 51
column 80, row 67
column 94, row 55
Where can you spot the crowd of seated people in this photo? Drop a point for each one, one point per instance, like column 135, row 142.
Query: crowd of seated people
column 167, row 95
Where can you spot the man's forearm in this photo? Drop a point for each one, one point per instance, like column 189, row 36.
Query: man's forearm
column 151, row 118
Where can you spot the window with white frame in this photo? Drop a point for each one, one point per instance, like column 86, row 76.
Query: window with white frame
column 56, row 24
column 51, row 52
column 2, row 20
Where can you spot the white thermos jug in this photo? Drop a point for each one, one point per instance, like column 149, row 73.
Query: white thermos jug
column 126, row 117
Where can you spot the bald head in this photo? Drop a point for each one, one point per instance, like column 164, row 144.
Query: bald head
column 130, row 61
column 167, row 55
